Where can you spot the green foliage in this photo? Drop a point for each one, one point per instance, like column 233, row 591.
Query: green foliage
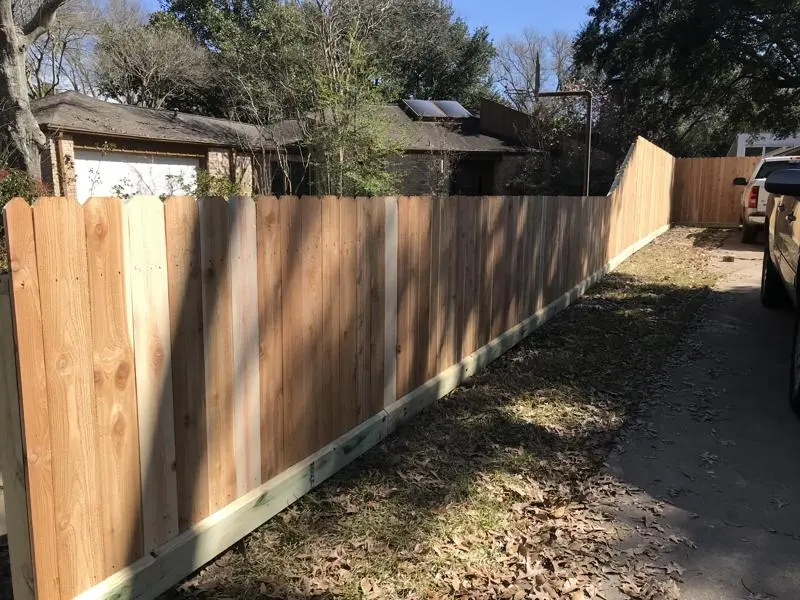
column 204, row 184
column 13, row 184
column 207, row 184
column 416, row 47
column 689, row 74
column 424, row 51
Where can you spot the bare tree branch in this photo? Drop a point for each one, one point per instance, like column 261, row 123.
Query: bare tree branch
column 41, row 20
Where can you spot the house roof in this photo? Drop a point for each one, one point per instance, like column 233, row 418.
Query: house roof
column 74, row 112
column 443, row 136
column 71, row 111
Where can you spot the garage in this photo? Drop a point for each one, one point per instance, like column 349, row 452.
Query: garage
column 102, row 173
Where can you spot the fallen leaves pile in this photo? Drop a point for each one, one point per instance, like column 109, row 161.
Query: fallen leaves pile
column 498, row 491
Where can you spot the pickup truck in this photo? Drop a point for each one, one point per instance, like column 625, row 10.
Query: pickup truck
column 779, row 281
column 754, row 197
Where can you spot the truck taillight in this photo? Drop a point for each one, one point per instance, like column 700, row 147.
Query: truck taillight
column 753, row 201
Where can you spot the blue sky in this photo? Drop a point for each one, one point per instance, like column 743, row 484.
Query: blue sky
column 504, row 17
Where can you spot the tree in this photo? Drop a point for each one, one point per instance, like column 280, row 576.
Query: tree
column 691, row 73
column 351, row 147
column 62, row 57
column 21, row 26
column 418, row 48
column 312, row 63
column 424, row 51
column 150, row 64
column 514, row 67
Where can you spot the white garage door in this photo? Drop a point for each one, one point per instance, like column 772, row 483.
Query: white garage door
column 118, row 173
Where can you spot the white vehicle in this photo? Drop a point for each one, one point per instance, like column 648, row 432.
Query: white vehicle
column 754, row 197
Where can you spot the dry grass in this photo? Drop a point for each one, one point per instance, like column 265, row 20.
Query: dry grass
column 497, row 491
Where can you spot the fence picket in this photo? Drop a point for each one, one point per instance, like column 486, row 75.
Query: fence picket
column 215, row 252
column 182, row 229
column 67, row 326
column 32, row 382
column 152, row 346
column 268, row 247
column 245, row 329
column 114, row 382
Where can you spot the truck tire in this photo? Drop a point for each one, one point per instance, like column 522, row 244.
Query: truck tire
column 773, row 294
column 749, row 233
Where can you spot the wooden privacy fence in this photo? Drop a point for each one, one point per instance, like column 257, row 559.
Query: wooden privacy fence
column 181, row 371
column 704, row 193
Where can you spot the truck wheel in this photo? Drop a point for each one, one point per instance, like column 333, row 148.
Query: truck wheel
column 794, row 379
column 773, row 294
column 749, row 233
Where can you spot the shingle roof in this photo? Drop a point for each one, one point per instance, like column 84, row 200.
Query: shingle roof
column 448, row 136
column 71, row 111
column 74, row 112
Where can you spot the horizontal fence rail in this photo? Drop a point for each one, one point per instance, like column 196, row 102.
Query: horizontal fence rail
column 182, row 370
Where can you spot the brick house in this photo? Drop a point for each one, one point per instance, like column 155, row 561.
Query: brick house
column 98, row 148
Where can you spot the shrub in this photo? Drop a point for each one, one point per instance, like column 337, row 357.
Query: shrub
column 205, row 184
column 15, row 183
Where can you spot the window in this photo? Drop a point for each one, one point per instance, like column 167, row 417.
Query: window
column 768, row 168
column 754, row 151
column 299, row 177
column 472, row 178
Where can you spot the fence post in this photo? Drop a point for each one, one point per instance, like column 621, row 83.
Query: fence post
column 12, row 456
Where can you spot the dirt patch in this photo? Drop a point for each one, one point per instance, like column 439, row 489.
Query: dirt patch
column 498, row 491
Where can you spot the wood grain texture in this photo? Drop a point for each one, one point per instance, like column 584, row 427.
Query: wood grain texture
column 149, row 577
column 376, row 241
column 246, row 378
column 364, row 320
column 347, row 402
column 12, row 458
column 514, row 260
column 704, row 190
column 406, row 281
column 268, row 246
column 182, row 229
column 33, row 396
column 497, row 235
column 152, row 345
column 310, row 282
column 450, row 223
column 114, row 383
column 295, row 430
column 484, row 275
column 526, row 272
column 422, row 310
column 331, row 321
column 390, row 302
column 435, row 291
column 458, row 278
column 215, row 253
column 66, row 323
column 313, row 395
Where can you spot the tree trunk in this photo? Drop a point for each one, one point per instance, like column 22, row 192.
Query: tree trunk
column 19, row 127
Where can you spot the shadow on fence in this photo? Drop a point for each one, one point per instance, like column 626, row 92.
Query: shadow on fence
column 497, row 263
column 548, row 411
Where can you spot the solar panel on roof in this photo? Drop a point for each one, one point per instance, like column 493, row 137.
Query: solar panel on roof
column 453, row 109
column 425, row 109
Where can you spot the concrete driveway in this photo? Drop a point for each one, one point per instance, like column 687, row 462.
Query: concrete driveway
column 718, row 444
